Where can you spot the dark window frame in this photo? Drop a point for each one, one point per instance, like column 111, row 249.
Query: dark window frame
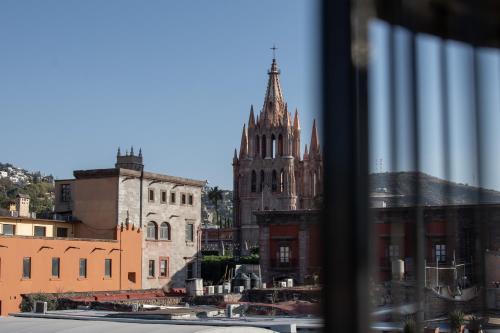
column 151, row 268
column 108, row 268
column 9, row 225
column 166, row 270
column 65, row 192
column 36, row 231
column 66, row 230
column 56, row 268
column 190, row 232
column 26, row 268
column 82, row 269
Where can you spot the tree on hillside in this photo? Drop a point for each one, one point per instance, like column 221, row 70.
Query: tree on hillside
column 215, row 195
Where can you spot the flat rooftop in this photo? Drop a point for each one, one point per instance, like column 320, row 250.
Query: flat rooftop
column 99, row 321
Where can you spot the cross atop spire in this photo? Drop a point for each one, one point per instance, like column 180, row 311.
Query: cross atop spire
column 274, row 48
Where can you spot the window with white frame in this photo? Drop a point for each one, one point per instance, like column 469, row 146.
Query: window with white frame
column 284, row 254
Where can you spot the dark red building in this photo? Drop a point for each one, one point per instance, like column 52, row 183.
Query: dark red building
column 453, row 234
column 289, row 244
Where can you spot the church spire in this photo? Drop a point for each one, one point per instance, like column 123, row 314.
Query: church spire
column 273, row 102
column 314, row 146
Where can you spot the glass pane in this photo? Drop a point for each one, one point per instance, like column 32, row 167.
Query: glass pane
column 55, row 267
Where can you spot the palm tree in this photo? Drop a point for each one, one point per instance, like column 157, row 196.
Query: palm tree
column 215, row 195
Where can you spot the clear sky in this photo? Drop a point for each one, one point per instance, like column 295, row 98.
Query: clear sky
column 177, row 78
column 465, row 126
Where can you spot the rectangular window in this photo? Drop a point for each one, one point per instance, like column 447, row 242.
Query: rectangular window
column 190, row 270
column 56, row 267
column 189, row 232
column 440, row 252
column 172, row 197
column 108, row 268
column 27, row 268
column 183, row 199
column 62, row 232
column 284, row 254
column 40, row 231
column 83, row 268
column 9, row 229
column 65, row 193
column 190, row 200
column 151, row 269
column 394, row 251
column 163, row 267
column 163, row 196
column 151, row 196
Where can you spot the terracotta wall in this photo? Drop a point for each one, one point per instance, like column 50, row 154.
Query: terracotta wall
column 125, row 253
column 95, row 202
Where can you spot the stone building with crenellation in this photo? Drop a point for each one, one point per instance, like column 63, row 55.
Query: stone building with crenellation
column 270, row 172
column 166, row 208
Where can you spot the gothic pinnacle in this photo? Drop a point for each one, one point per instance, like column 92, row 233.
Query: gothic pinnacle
column 251, row 119
column 296, row 123
column 314, row 146
column 244, row 142
column 306, row 153
column 286, row 119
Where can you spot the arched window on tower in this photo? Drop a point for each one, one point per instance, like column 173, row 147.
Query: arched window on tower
column 280, row 145
column 152, row 229
column 273, row 143
column 165, row 231
column 282, row 180
column 264, row 148
column 253, row 186
column 274, row 182
column 262, row 180
column 257, row 146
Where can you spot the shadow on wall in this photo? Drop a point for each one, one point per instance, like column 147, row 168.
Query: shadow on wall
column 177, row 281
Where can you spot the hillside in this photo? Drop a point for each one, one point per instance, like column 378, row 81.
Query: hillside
column 14, row 180
column 434, row 191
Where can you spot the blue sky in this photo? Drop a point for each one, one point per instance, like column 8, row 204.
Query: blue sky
column 177, row 78
column 463, row 124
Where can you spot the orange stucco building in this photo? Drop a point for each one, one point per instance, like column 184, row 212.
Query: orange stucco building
column 31, row 264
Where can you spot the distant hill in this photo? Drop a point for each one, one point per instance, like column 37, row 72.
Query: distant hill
column 400, row 190
column 40, row 188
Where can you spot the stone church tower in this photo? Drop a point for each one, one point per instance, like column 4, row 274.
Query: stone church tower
column 268, row 172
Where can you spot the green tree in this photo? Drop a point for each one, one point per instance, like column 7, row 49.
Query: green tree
column 215, row 195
